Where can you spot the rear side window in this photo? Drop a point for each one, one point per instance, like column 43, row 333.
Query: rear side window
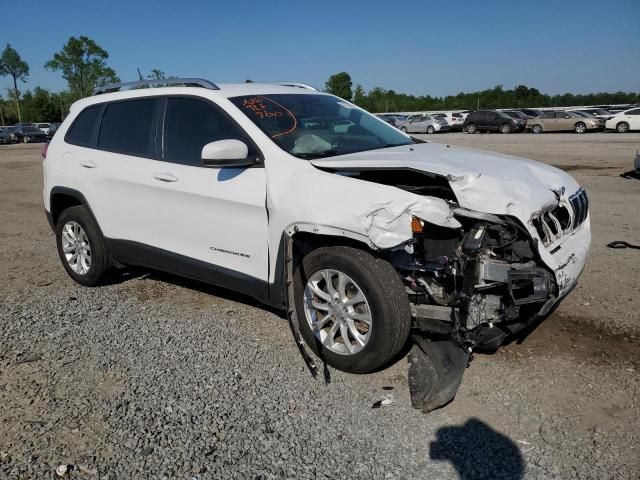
column 634, row 112
column 190, row 124
column 82, row 128
column 127, row 127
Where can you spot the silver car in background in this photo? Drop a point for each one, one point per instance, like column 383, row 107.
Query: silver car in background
column 423, row 123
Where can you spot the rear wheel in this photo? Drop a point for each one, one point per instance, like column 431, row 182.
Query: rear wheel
column 536, row 129
column 580, row 127
column 505, row 128
column 404, row 129
column 353, row 309
column 431, row 130
column 471, row 128
column 622, row 127
column 81, row 247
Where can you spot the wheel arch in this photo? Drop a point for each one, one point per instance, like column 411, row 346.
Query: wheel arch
column 62, row 198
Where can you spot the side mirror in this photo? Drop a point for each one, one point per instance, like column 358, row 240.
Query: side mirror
column 226, row 153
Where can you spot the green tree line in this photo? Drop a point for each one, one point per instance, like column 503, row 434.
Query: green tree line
column 380, row 100
column 83, row 64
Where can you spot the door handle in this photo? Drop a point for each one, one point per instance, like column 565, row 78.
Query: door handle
column 165, row 177
column 87, row 164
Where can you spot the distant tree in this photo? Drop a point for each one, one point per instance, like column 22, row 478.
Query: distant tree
column 83, row 65
column 360, row 97
column 340, row 84
column 248, row 81
column 156, row 75
column 12, row 65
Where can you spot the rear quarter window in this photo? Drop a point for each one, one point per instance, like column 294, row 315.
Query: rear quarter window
column 81, row 130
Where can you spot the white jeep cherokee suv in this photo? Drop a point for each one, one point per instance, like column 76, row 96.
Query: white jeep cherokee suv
column 369, row 238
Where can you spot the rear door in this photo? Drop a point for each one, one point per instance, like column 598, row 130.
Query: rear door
column 549, row 122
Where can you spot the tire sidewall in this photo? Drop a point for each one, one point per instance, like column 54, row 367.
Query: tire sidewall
column 97, row 268
column 374, row 291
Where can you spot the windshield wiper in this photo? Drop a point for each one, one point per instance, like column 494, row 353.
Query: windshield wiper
column 326, row 153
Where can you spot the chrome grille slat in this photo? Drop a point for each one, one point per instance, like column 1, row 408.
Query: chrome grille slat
column 578, row 205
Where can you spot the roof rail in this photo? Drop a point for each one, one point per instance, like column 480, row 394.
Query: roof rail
column 165, row 82
column 296, row 84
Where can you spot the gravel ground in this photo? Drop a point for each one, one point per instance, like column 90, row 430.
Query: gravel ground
column 159, row 377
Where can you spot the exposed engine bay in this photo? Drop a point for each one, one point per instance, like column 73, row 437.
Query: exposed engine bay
column 473, row 280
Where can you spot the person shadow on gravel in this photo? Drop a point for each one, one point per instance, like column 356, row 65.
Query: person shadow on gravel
column 478, row 452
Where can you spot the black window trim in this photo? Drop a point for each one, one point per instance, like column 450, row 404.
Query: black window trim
column 162, row 125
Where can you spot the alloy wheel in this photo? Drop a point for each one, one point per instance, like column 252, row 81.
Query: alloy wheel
column 76, row 247
column 337, row 311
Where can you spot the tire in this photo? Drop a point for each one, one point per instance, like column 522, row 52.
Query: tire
column 99, row 261
column 385, row 302
column 404, row 129
column 580, row 127
column 471, row 128
column 505, row 128
column 431, row 130
column 537, row 128
column 622, row 127
column 25, row 139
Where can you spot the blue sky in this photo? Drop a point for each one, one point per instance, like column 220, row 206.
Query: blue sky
column 420, row 47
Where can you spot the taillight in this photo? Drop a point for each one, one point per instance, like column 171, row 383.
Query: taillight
column 45, row 148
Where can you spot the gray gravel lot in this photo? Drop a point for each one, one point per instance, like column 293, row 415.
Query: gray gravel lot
column 159, row 377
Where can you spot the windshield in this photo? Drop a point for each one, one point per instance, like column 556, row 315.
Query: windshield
column 314, row 126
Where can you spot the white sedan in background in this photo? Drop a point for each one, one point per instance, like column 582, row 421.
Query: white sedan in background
column 625, row 121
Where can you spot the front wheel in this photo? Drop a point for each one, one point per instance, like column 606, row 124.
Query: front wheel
column 431, row 130
column 622, row 127
column 580, row 127
column 537, row 129
column 404, row 129
column 26, row 139
column 352, row 307
column 505, row 128
column 81, row 247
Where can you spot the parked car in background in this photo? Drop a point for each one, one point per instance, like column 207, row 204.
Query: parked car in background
column 599, row 121
column 531, row 112
column 492, row 121
column 44, row 127
column 28, row 134
column 5, row 138
column 562, row 121
column 454, row 119
column 423, row 123
column 516, row 114
column 625, row 121
column 24, row 124
column 53, row 129
column 596, row 112
column 393, row 120
column 11, row 130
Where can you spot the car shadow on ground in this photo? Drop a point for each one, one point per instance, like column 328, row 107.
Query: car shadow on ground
column 478, row 452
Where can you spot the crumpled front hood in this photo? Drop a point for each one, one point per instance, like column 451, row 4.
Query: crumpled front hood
column 482, row 181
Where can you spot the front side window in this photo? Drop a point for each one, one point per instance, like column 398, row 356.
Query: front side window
column 82, row 128
column 127, row 127
column 313, row 126
column 190, row 124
